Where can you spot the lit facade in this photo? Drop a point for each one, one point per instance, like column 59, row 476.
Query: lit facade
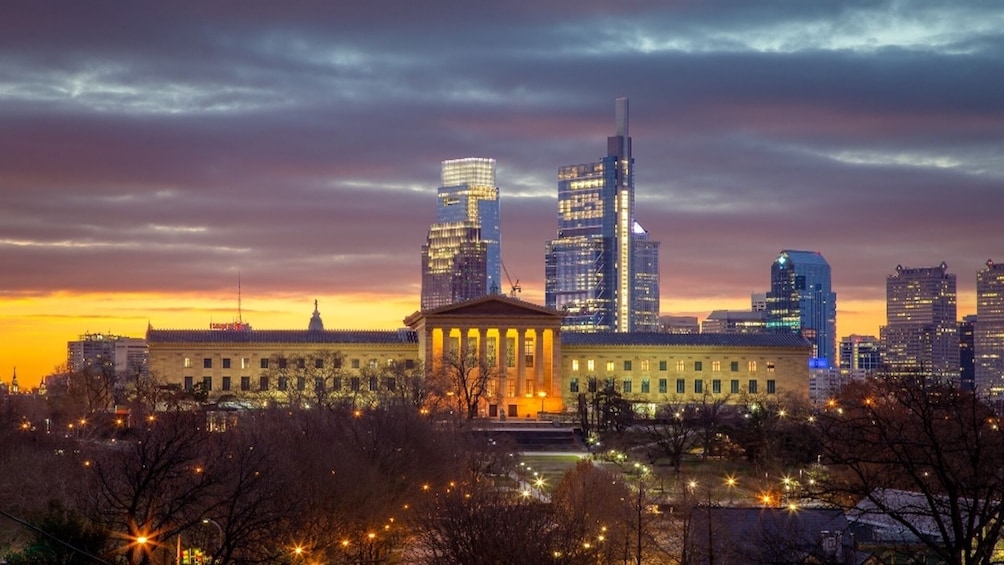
column 601, row 271
column 921, row 335
column 988, row 331
column 535, row 365
column 801, row 300
column 862, row 352
column 462, row 257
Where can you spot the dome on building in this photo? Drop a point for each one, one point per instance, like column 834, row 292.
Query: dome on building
column 316, row 325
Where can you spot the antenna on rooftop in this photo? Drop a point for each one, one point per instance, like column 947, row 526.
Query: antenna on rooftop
column 240, row 316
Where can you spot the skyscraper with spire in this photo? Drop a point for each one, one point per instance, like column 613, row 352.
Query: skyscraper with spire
column 602, row 270
column 462, row 257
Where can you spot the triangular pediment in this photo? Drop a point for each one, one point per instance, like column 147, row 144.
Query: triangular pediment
column 490, row 306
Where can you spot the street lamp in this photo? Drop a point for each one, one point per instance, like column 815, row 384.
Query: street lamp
column 542, row 394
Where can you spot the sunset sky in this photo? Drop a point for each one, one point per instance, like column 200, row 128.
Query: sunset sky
column 150, row 152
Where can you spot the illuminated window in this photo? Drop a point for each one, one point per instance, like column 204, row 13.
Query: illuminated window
column 245, row 363
column 528, row 352
column 752, row 366
column 188, row 362
column 373, row 364
column 680, row 367
column 716, row 366
column 644, row 364
column 770, row 367
column 575, row 364
column 610, row 366
column 491, row 351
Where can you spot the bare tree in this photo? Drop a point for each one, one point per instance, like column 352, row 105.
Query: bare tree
column 939, row 443
column 468, row 380
column 671, row 435
column 482, row 525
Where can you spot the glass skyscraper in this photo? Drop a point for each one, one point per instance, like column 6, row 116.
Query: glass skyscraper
column 802, row 301
column 462, row 258
column 602, row 270
column 921, row 335
column 988, row 331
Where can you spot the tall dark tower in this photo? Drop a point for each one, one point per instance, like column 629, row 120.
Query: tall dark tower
column 592, row 269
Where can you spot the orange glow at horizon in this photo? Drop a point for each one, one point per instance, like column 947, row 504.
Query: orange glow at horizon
column 34, row 331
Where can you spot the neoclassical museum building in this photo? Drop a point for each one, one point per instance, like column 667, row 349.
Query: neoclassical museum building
column 534, row 366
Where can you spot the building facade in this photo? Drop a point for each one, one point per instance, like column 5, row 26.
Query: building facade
column 988, row 331
column 531, row 364
column 863, row 352
column 107, row 353
column 601, row 271
column 801, row 300
column 462, row 256
column 967, row 356
column 735, row 322
column 921, row 335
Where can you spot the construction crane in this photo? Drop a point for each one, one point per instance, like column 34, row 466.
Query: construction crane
column 514, row 287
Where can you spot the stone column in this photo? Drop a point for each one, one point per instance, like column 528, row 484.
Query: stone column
column 521, row 363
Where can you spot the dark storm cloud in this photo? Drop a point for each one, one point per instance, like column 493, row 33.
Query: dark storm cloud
column 300, row 144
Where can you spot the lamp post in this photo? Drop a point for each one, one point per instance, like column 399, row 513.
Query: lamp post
column 542, row 394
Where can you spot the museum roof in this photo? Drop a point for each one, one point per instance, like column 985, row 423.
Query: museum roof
column 281, row 336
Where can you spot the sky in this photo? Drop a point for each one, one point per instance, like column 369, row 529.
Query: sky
column 154, row 157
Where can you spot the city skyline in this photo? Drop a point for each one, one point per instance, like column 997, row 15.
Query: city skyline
column 152, row 156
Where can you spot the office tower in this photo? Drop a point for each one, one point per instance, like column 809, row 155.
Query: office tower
column 860, row 352
column 602, row 269
column 758, row 301
column 107, row 354
column 646, row 282
column 967, row 357
column 988, row 333
column 921, row 335
column 462, row 258
column 801, row 300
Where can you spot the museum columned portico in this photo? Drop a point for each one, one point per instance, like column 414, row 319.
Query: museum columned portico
column 515, row 344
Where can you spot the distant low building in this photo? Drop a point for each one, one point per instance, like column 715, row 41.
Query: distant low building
column 735, row 322
column 679, row 325
column 119, row 355
column 826, row 384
